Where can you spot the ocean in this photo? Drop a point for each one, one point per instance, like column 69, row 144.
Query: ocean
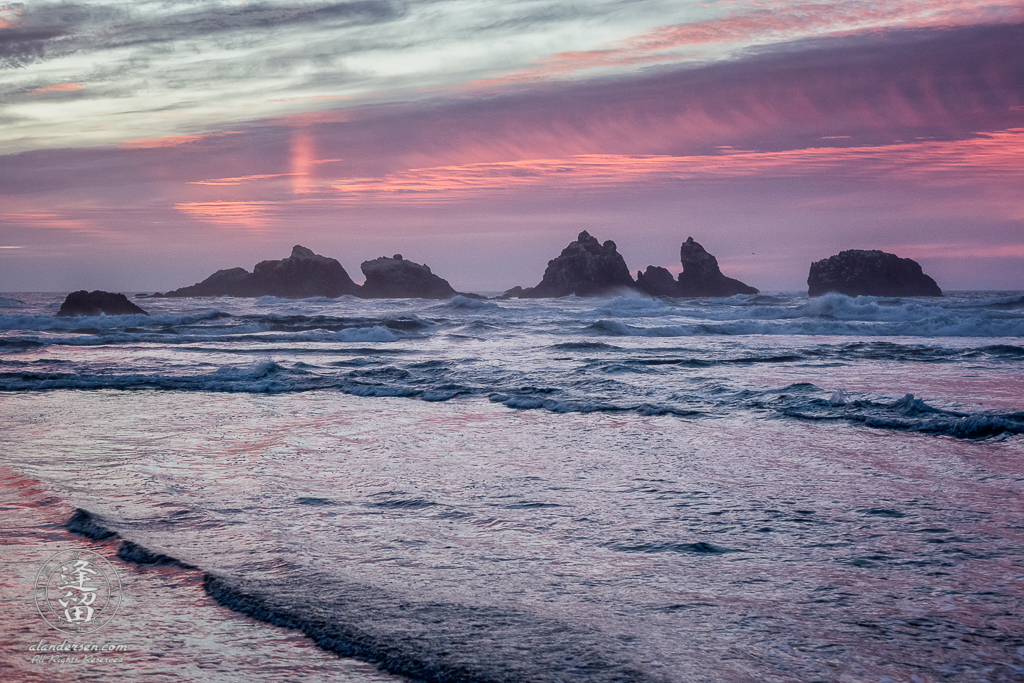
column 758, row 488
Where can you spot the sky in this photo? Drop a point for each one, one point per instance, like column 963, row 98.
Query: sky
column 146, row 144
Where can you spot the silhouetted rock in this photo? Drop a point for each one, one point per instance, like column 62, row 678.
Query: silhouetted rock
column 97, row 303
column 584, row 268
column 514, row 293
column 860, row 272
column 300, row 276
column 227, row 282
column 657, row 281
column 397, row 278
column 701, row 276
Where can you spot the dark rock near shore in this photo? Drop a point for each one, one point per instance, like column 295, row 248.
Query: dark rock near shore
column 584, row 268
column 701, row 276
column 300, row 276
column 97, row 303
column 657, row 281
column 397, row 278
column 860, row 272
column 514, row 293
column 227, row 282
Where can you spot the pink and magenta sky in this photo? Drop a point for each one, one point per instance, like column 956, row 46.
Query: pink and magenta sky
column 145, row 144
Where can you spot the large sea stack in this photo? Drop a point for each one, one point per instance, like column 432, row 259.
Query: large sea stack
column 859, row 272
column 300, row 276
column 584, row 268
column 397, row 278
column 701, row 276
column 97, row 303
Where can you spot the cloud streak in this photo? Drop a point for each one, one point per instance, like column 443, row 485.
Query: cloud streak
column 998, row 157
column 214, row 64
column 172, row 140
column 767, row 22
column 839, row 93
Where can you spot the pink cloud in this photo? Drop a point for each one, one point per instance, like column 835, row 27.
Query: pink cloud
column 995, row 158
column 56, row 87
column 10, row 15
column 251, row 216
column 766, row 22
column 172, row 140
column 52, row 220
column 238, row 180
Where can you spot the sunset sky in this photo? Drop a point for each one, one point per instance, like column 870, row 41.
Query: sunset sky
column 146, row 144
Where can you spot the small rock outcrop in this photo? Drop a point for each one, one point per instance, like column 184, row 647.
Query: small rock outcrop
column 860, row 272
column 300, row 276
column 97, row 303
column 657, row 281
column 584, row 268
column 392, row 278
column 701, row 276
column 514, row 293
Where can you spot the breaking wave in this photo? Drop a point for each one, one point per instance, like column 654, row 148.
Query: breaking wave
column 418, row 637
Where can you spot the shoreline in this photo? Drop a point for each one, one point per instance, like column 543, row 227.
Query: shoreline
column 148, row 638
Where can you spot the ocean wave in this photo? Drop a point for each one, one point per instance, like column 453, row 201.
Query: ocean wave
column 908, row 414
column 1012, row 305
column 260, row 376
column 18, row 345
column 209, row 323
column 618, row 329
column 250, row 334
column 585, row 346
column 600, row 385
column 946, row 326
column 832, row 314
column 404, row 634
column 531, row 401
column 35, row 321
column 637, row 307
column 465, row 303
column 6, row 302
column 274, row 300
column 367, row 334
column 700, row 548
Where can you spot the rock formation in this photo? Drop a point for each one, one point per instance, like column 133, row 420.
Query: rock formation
column 514, row 293
column 584, row 268
column 859, row 272
column 397, row 278
column 300, row 276
column 657, row 281
column 97, row 303
column 701, row 276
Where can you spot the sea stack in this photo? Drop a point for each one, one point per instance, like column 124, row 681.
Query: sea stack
column 394, row 277
column 97, row 302
column 859, row 272
column 584, row 268
column 300, row 276
column 701, row 276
